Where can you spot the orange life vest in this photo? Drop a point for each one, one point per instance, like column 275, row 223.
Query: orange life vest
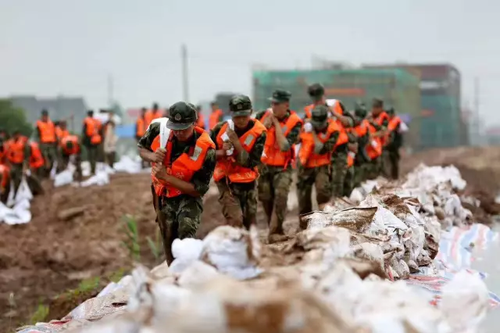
column 393, row 123
column 374, row 147
column 213, row 120
column 93, row 127
column 36, row 157
column 308, row 158
column 226, row 167
column 47, row 131
column 379, row 120
column 60, row 133
column 185, row 166
column 308, row 109
column 152, row 115
column 15, row 151
column 350, row 159
column 76, row 147
column 201, row 121
column 272, row 154
column 5, row 172
column 343, row 138
column 141, row 126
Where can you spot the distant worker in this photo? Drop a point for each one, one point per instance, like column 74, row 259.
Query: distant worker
column 201, row 119
column 343, row 120
column 153, row 114
column 62, row 130
column 317, row 142
column 70, row 150
column 36, row 164
column 91, row 138
column 181, row 172
column 4, row 183
column 275, row 179
column 110, row 140
column 46, row 133
column 395, row 130
column 4, row 136
column 379, row 121
column 215, row 117
column 18, row 157
column 140, row 125
column 240, row 143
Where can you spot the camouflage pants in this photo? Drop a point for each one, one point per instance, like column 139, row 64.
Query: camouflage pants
column 33, row 181
column 239, row 203
column 339, row 169
column 320, row 177
column 349, row 181
column 274, row 186
column 392, row 164
column 49, row 152
column 178, row 217
column 92, row 157
column 360, row 172
column 16, row 175
column 5, row 194
column 372, row 168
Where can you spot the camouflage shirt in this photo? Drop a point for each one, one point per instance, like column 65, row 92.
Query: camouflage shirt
column 201, row 178
column 247, row 160
column 293, row 135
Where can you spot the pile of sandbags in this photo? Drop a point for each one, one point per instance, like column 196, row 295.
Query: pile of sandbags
column 18, row 207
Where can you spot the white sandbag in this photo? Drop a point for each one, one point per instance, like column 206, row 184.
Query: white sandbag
column 24, row 192
column 11, row 198
column 20, row 214
column 100, row 178
column 225, row 137
column 185, row 251
column 63, row 178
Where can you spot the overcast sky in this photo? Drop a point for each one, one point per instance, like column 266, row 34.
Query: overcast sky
column 69, row 47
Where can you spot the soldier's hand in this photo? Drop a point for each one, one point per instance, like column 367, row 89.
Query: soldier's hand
column 159, row 171
column 268, row 122
column 227, row 146
column 232, row 135
column 159, row 155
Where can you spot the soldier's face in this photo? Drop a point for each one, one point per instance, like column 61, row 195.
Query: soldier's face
column 241, row 121
column 184, row 135
column 279, row 109
column 376, row 110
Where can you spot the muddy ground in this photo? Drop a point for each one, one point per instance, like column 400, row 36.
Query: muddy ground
column 41, row 261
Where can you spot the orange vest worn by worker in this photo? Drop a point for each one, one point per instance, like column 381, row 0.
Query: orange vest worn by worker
column 226, row 167
column 308, row 158
column 47, row 131
column 60, row 133
column 15, row 151
column 343, row 137
column 374, row 147
column 5, row 172
column 92, row 127
column 141, row 127
column 201, row 121
column 75, row 149
column 213, row 120
column 379, row 120
column 152, row 115
column 351, row 156
column 185, row 166
column 36, row 157
column 272, row 154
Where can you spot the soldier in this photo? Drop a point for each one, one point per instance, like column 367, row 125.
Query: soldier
column 46, row 132
column 394, row 143
column 215, row 117
column 317, row 143
column 91, row 138
column 18, row 156
column 284, row 127
column 4, row 183
column 238, row 154
column 379, row 120
column 70, row 149
column 369, row 148
column 184, row 159
column 153, row 114
column 62, row 130
column 201, row 119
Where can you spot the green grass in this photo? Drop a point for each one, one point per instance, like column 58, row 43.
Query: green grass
column 130, row 229
column 40, row 314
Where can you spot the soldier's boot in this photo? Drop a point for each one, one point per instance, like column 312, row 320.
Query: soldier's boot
column 276, row 233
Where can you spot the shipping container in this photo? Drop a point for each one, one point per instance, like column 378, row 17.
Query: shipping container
column 397, row 87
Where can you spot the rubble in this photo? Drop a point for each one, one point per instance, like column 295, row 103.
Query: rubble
column 345, row 273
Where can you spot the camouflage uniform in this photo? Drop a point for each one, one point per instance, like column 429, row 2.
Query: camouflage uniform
column 239, row 200
column 64, row 160
column 350, row 172
column 320, row 176
column 274, row 185
column 49, row 153
column 376, row 166
column 393, row 146
column 16, row 169
column 179, row 217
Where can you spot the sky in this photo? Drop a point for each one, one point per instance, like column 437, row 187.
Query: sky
column 72, row 47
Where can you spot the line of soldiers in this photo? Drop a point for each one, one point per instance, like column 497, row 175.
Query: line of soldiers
column 53, row 144
column 253, row 159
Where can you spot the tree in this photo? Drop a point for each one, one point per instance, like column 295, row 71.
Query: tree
column 13, row 118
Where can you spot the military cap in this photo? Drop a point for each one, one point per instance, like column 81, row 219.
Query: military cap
column 390, row 111
column 45, row 112
column 181, row 115
column 240, row 105
column 280, row 96
column 319, row 116
column 316, row 91
column 377, row 103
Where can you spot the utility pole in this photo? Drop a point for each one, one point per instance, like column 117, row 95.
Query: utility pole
column 476, row 111
column 185, row 82
column 110, row 90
